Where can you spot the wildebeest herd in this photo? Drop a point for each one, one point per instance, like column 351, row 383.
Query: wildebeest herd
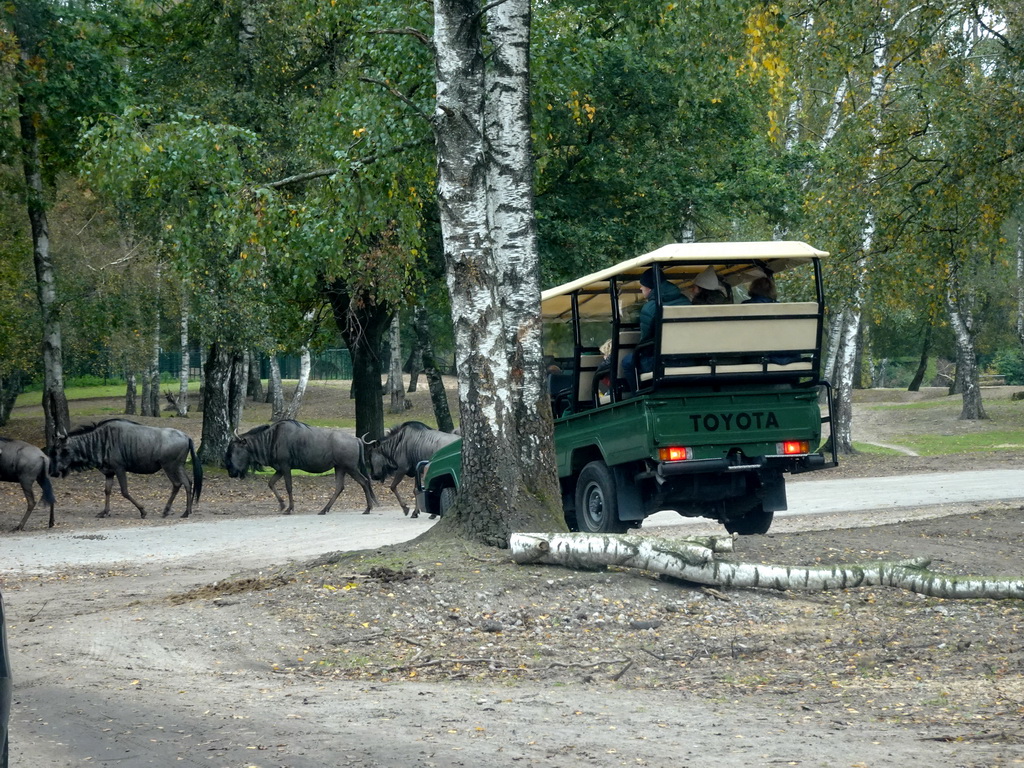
column 118, row 447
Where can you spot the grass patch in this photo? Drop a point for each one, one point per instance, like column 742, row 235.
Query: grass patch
column 879, row 450
column 976, row 442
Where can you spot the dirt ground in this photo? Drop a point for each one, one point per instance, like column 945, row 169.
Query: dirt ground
column 440, row 654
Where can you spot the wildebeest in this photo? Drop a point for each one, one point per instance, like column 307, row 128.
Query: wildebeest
column 118, row 446
column 23, row 463
column 287, row 445
column 401, row 449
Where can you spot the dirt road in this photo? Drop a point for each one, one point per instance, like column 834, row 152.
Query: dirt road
column 459, row 659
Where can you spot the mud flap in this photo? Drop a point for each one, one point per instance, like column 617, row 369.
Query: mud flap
column 773, row 493
column 627, row 495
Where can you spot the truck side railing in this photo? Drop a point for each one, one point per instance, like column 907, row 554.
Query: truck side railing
column 777, row 341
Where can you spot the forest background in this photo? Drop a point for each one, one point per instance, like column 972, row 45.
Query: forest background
column 243, row 179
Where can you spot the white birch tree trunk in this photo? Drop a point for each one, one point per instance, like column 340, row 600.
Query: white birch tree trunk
column 514, row 234
column 842, row 420
column 1020, row 284
column 962, row 322
column 275, row 390
column 305, row 360
column 396, row 387
column 181, row 403
column 484, row 186
column 151, row 405
column 694, row 560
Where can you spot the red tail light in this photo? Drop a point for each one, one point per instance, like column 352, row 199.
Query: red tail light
column 793, row 447
column 674, row 453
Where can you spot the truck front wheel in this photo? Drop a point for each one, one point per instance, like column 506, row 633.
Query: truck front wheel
column 596, row 505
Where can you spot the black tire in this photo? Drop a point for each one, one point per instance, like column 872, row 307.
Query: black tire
column 597, row 510
column 755, row 522
column 447, row 499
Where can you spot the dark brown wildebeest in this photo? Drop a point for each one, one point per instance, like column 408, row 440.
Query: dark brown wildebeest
column 21, row 462
column 118, row 446
column 287, row 445
column 401, row 449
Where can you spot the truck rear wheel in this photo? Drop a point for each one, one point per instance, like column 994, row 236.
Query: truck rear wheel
column 756, row 521
column 596, row 506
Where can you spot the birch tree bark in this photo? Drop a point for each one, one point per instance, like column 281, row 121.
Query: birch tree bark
column 842, row 417
column 484, row 183
column 694, row 560
column 275, row 393
column 55, row 404
column 305, row 364
column 1020, row 284
column 151, row 378
column 396, row 387
column 181, row 402
column 961, row 320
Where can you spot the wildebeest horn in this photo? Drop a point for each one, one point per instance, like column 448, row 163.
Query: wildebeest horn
column 365, row 441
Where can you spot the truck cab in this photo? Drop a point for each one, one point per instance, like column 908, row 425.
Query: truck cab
column 701, row 403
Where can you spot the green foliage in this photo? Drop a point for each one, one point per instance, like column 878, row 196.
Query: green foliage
column 1010, row 363
column 642, row 128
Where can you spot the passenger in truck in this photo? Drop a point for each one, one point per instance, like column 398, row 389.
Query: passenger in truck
column 632, row 364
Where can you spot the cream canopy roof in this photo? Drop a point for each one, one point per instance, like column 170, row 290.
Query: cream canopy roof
column 735, row 262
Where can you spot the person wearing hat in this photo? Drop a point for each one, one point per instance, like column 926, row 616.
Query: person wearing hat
column 670, row 295
column 708, row 289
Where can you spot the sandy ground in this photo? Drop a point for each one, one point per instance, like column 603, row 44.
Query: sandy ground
column 438, row 655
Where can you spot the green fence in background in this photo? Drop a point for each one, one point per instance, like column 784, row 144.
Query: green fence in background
column 326, row 365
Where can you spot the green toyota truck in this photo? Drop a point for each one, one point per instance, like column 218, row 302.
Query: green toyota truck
column 686, row 379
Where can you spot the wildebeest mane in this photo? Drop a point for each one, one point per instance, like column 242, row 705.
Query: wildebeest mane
column 85, row 429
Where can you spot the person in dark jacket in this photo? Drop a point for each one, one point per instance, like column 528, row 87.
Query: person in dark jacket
column 632, row 364
column 762, row 291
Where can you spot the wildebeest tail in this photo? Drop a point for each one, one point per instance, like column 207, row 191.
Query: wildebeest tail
column 197, row 471
column 364, row 470
column 44, row 482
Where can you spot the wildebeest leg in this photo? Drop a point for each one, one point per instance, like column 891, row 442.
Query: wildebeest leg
column 31, row 499
column 287, row 475
column 179, row 478
column 394, row 489
column 371, row 500
column 122, row 480
column 339, row 486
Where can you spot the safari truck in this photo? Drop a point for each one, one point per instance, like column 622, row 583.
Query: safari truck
column 723, row 397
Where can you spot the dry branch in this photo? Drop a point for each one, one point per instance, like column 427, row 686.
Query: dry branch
column 693, row 560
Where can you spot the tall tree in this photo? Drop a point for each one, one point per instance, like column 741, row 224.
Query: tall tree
column 485, row 194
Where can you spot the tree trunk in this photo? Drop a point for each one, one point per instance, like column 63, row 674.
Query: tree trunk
column 237, row 388
column 305, row 363
column 55, row 404
column 362, row 323
column 438, row 392
column 414, row 365
column 217, row 426
column 396, row 387
column 181, row 402
column 154, row 366
column 1020, row 284
column 254, row 389
column 693, row 560
column 922, row 365
column 484, row 187
column 10, row 388
column 275, row 390
column 130, row 392
column 961, row 322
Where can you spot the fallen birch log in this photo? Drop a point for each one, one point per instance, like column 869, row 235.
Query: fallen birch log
column 694, row 560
